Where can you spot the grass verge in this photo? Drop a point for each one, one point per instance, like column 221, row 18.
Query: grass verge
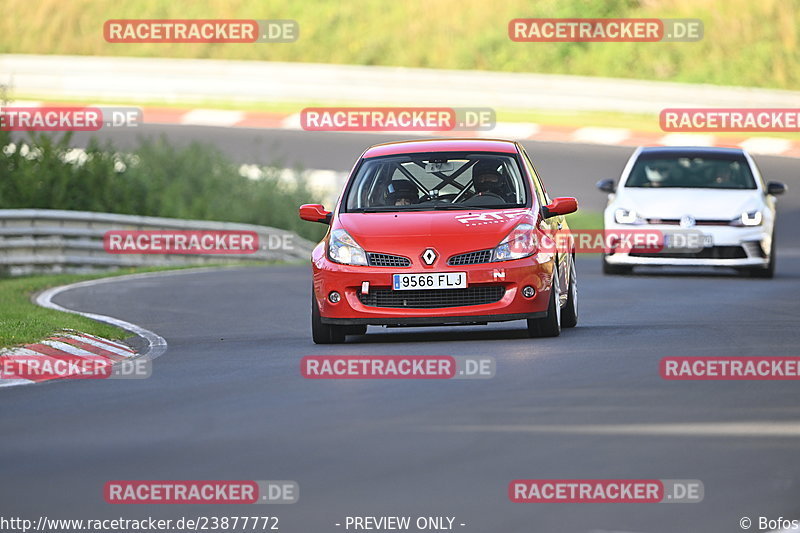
column 583, row 220
column 744, row 42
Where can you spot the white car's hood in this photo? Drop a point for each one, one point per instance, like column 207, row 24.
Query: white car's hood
column 708, row 204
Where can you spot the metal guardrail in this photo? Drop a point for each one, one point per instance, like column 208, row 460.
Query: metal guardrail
column 54, row 241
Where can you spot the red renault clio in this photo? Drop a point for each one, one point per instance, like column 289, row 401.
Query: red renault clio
column 442, row 232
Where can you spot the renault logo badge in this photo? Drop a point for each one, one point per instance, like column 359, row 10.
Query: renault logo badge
column 429, row 256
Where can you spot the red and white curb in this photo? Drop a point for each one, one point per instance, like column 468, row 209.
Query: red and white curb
column 68, row 350
column 156, row 345
column 505, row 130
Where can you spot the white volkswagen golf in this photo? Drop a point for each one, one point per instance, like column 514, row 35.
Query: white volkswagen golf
column 716, row 193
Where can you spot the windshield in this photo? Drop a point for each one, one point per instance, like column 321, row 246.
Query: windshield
column 690, row 171
column 423, row 182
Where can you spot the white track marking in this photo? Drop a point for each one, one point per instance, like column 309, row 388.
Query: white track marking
column 766, row 145
column 511, row 130
column 212, row 117
column 292, row 122
column 72, row 350
column 101, row 345
column 701, row 429
column 601, row 135
column 687, row 139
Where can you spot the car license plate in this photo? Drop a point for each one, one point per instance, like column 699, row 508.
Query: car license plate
column 433, row 280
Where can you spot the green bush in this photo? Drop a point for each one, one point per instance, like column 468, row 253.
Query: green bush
column 156, row 179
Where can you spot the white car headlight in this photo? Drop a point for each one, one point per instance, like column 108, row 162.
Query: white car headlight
column 342, row 248
column 749, row 218
column 521, row 242
column 628, row 216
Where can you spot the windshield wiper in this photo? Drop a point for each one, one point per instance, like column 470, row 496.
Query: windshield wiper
column 458, row 206
column 432, row 207
column 385, row 210
column 474, row 207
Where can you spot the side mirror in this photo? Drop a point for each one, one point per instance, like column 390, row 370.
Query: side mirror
column 560, row 206
column 776, row 188
column 606, row 186
column 315, row 213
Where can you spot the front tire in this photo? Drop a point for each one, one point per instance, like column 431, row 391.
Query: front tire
column 324, row 333
column 616, row 270
column 549, row 326
column 356, row 330
column 569, row 314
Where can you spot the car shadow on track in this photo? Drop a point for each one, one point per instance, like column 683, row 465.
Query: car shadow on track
column 659, row 272
column 439, row 334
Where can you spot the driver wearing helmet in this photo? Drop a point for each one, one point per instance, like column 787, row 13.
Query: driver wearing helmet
column 487, row 179
column 401, row 192
column 657, row 175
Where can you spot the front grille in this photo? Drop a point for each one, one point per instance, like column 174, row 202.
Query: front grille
column 471, row 258
column 676, row 222
column 433, row 298
column 386, row 260
column 712, row 252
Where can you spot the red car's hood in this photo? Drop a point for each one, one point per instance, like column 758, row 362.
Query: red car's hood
column 448, row 232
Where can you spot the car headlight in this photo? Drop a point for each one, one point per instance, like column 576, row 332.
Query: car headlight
column 749, row 218
column 628, row 216
column 521, row 242
column 342, row 248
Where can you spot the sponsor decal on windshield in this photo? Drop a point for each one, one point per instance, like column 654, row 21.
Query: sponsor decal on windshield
column 489, row 217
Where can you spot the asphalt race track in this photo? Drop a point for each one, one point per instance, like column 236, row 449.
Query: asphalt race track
column 226, row 401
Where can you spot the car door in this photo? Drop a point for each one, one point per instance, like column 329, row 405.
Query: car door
column 555, row 226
